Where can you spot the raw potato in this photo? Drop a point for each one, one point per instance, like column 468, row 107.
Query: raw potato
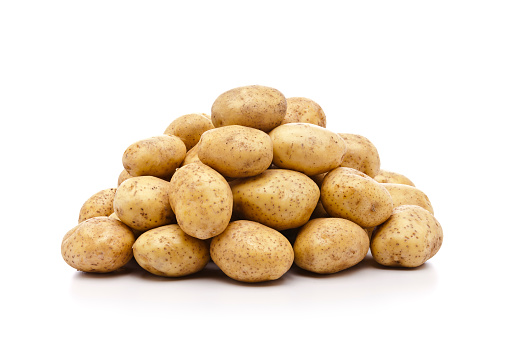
column 191, row 156
column 202, row 200
column 189, row 128
column 236, row 151
column 409, row 238
column 98, row 244
column 169, row 252
column 99, row 204
column 255, row 106
column 385, row 176
column 304, row 110
column 307, row 148
column 157, row 156
column 361, row 154
column 143, row 203
column 408, row 195
column 248, row 251
column 350, row 194
column 330, row 245
column 278, row 198
column 124, row 175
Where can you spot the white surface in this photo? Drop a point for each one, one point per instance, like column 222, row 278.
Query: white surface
column 426, row 82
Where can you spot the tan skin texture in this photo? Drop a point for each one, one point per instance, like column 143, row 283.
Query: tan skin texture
column 158, row 156
column 248, row 251
column 254, row 106
column 330, row 245
column 301, row 109
column 409, row 238
column 202, row 200
column 361, row 154
column 189, row 128
column 307, row 148
column 236, row 151
column 143, row 203
column 408, row 195
column 169, row 252
column 99, row 204
column 350, row 194
column 124, row 175
column 385, row 176
column 277, row 198
column 98, row 244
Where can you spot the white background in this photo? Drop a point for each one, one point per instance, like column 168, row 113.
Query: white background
column 426, row 81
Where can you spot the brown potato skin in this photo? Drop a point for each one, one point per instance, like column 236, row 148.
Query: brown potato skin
column 98, row 205
column 201, row 199
column 408, row 195
column 409, row 238
column 361, row 154
column 250, row 252
column 168, row 251
column 330, row 245
column 253, row 106
column 278, row 198
column 385, row 176
column 99, row 245
column 236, row 151
column 189, row 128
column 350, row 194
column 124, row 175
column 157, row 156
column 301, row 109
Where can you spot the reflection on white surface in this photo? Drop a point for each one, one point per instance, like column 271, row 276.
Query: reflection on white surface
column 211, row 289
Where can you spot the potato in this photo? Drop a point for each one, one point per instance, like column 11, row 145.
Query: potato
column 278, row 198
column 99, row 244
column 300, row 109
column 409, row 238
column 236, row 151
column 330, row 245
column 158, row 156
column 385, row 176
column 99, row 204
column 189, row 128
column 361, row 154
column 143, row 203
column 307, row 148
column 124, row 175
column 350, row 194
column 191, row 156
column 248, row 251
column 202, row 200
column 255, row 106
column 169, row 252
column 408, row 195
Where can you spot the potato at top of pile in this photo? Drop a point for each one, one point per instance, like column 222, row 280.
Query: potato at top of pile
column 259, row 185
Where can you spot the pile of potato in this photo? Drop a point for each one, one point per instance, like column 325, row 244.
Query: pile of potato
column 257, row 186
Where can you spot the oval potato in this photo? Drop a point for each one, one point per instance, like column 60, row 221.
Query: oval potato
column 143, row 203
column 158, row 156
column 202, row 200
column 408, row 195
column 361, row 154
column 385, row 176
column 409, row 238
column 189, row 128
column 307, row 148
column 99, row 204
column 236, row 151
column 254, row 106
column 99, row 244
column 248, row 251
column 350, row 194
column 169, row 252
column 330, row 245
column 278, row 198
column 299, row 109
